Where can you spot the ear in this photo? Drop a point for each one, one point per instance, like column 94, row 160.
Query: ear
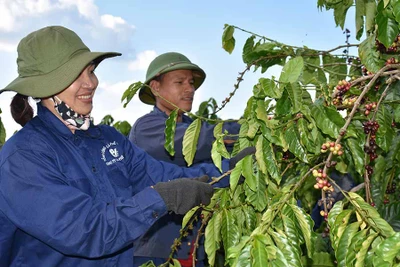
column 155, row 87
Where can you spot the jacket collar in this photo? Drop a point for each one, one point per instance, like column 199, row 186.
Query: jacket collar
column 59, row 128
column 185, row 118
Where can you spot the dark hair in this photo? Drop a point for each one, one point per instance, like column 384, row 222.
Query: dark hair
column 159, row 77
column 21, row 110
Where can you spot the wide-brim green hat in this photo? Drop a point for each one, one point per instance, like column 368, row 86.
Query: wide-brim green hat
column 165, row 63
column 51, row 59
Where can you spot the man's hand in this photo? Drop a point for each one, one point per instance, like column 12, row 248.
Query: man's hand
column 182, row 194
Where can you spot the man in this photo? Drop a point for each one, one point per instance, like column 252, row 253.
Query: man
column 173, row 80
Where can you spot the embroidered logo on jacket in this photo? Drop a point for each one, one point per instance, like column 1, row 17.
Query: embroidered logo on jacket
column 113, row 154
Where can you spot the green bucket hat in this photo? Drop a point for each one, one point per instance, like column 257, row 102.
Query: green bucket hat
column 165, row 63
column 49, row 60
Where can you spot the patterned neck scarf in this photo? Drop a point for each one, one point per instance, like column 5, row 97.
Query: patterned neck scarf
column 72, row 119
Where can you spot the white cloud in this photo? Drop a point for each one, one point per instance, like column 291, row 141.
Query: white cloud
column 86, row 8
column 143, row 60
column 14, row 13
column 12, row 10
column 7, row 47
column 113, row 23
column 108, row 102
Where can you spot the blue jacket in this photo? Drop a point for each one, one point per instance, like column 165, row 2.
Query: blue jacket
column 77, row 199
column 148, row 133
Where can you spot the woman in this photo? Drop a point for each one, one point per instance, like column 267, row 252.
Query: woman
column 71, row 193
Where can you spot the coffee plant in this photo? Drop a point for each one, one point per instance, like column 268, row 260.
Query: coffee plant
column 330, row 115
column 2, row 132
column 123, row 127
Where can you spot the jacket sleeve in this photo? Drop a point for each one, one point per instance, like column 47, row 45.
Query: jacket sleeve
column 35, row 198
column 7, row 232
column 151, row 127
column 144, row 168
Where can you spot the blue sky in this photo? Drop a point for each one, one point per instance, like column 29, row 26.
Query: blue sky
column 142, row 30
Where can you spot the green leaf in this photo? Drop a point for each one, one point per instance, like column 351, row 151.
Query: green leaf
column 327, row 120
column 272, row 162
column 253, row 126
column 270, row 88
column 370, row 12
column 387, row 29
column 190, row 140
column 235, row 175
column 385, row 134
column 261, row 112
column 250, row 217
column 248, row 49
column 189, row 215
column 257, row 197
column 357, row 153
column 334, row 212
column 360, row 13
column 260, row 154
column 2, row 132
column 213, row 237
column 391, row 214
column 175, row 263
column 107, row 120
column 355, row 246
column 247, row 171
column 283, row 105
column 292, row 70
column 218, row 147
column 228, row 41
column 345, row 241
column 305, row 136
column 229, row 230
column 123, row 127
column 294, row 143
column 130, row 92
column 306, row 225
column 322, row 259
column 259, row 253
column 266, row 160
column 340, row 224
column 216, row 156
column 292, row 223
column 295, row 93
column 244, row 256
column 169, row 131
column 396, row 10
column 361, row 254
column 389, row 248
column 289, row 249
column 292, row 231
column 372, row 216
column 340, row 12
column 385, row 2
column 369, row 55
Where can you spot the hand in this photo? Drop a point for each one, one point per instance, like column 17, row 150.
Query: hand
column 245, row 152
column 182, row 194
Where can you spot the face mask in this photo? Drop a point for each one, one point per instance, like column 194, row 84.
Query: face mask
column 72, row 119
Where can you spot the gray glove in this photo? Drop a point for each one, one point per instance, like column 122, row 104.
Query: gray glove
column 243, row 153
column 182, row 194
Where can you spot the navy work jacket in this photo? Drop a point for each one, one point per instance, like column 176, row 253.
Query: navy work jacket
column 77, row 199
column 148, row 134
